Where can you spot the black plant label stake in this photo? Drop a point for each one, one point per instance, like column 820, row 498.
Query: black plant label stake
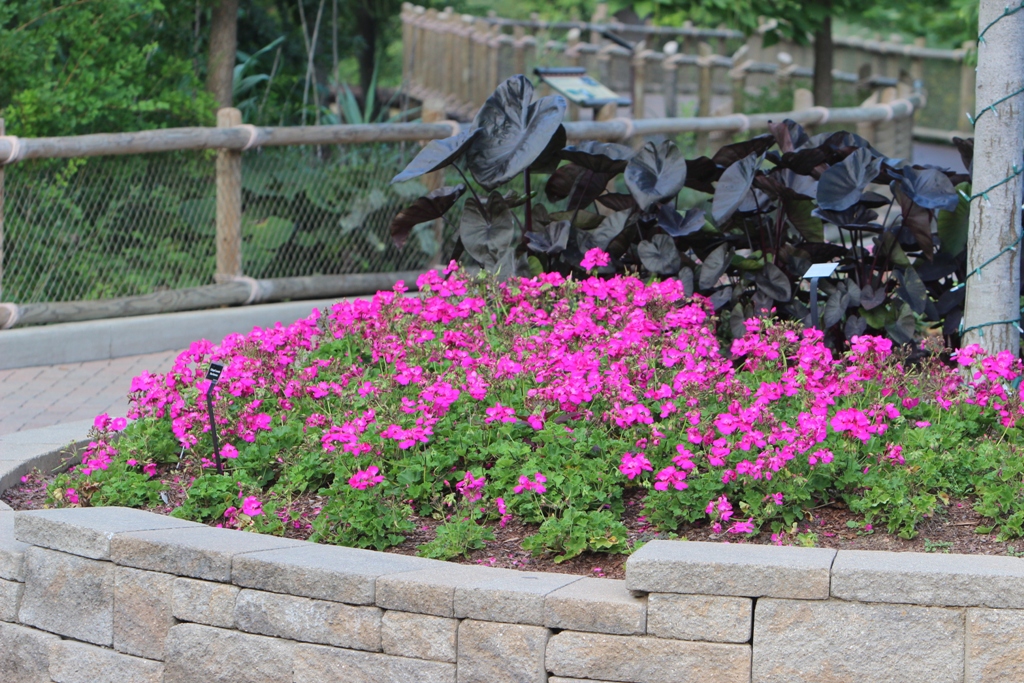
column 213, row 374
column 814, row 273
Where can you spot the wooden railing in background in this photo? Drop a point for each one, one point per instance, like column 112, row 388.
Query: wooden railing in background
column 887, row 124
column 460, row 59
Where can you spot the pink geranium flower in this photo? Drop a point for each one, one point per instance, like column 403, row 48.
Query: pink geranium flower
column 537, row 485
column 252, row 507
column 595, row 258
column 367, row 478
column 634, row 464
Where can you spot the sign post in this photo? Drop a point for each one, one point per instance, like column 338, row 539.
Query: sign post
column 213, row 374
column 816, row 271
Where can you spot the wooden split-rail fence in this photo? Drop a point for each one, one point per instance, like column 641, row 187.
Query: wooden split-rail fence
column 886, row 122
column 460, row 59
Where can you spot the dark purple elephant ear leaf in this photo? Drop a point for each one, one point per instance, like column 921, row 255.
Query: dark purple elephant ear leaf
column 515, row 132
column 842, row 185
column 657, row 172
column 426, row 208
column 436, row 155
column 600, row 157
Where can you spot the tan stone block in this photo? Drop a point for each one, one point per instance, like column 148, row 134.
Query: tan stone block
column 491, row 652
column 205, row 602
column 25, row 654
column 198, row 552
column 72, row 662
column 142, row 612
column 319, row 664
column 643, row 659
column 10, row 599
column 12, row 552
column 69, row 595
column 735, row 569
column 599, row 605
column 419, row 635
column 995, row 646
column 307, row 620
column 711, row 618
column 203, row 654
column 803, row 641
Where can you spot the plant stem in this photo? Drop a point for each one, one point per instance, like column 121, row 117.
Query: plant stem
column 529, row 201
column 469, row 185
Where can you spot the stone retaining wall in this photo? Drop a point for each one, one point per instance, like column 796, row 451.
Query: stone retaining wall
column 116, row 595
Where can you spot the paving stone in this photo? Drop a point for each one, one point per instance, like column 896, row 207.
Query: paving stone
column 142, row 611
column 325, row 572
column 205, row 602
column 491, row 652
column 69, row 595
column 72, row 662
column 4, row 507
column 713, row 618
column 319, row 664
column 432, row 591
column 87, row 531
column 929, row 579
column 203, row 553
column 197, row 653
column 560, row 679
column 10, row 599
column 419, row 635
column 995, row 646
column 12, row 551
column 25, row 654
column 600, row 605
column 742, row 570
column 797, row 641
column 646, row 660
column 514, row 598
column 308, row 621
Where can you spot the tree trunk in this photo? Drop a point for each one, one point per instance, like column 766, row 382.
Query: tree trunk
column 223, row 46
column 368, row 27
column 992, row 309
column 824, row 54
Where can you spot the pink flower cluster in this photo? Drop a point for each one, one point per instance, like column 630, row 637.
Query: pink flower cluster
column 546, row 357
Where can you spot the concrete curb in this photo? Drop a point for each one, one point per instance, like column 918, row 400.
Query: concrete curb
column 105, row 339
column 22, row 452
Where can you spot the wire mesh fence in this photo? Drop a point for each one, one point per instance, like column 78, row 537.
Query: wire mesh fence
column 106, row 227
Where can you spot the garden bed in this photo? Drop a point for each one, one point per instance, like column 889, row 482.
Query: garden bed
column 572, row 421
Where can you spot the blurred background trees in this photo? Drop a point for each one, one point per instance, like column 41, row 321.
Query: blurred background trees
column 83, row 66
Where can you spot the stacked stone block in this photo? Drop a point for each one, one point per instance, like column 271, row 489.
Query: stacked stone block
column 121, row 595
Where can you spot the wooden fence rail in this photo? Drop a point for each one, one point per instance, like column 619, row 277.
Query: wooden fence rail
column 668, row 69
column 886, row 124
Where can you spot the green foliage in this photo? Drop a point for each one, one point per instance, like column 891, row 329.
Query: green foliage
column 90, row 67
column 456, row 538
column 577, row 531
column 362, row 519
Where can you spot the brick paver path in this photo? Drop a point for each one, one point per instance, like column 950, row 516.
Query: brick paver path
column 47, row 395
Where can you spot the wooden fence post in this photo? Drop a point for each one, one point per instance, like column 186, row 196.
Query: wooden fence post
column 639, row 67
column 670, row 81
column 992, row 308
column 968, row 84
column 917, row 63
column 704, row 62
column 229, row 203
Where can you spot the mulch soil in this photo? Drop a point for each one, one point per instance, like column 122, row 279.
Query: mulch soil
column 951, row 530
